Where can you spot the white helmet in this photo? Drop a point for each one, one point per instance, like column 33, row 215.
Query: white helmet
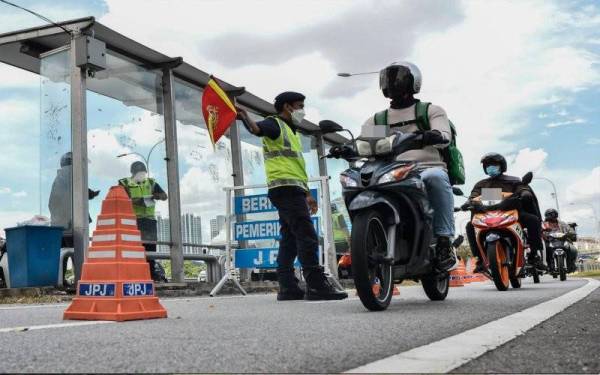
column 400, row 78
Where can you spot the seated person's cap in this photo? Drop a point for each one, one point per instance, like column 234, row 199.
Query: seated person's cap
column 138, row 166
column 287, row 97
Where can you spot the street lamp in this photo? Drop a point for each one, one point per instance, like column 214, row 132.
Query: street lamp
column 553, row 188
column 145, row 158
column 355, row 74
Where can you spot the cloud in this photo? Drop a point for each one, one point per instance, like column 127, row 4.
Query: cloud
column 576, row 121
column 593, row 141
column 586, row 189
column 527, row 160
column 20, row 194
column 5, row 190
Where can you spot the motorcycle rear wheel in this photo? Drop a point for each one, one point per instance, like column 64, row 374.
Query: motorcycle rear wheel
column 498, row 265
column 369, row 246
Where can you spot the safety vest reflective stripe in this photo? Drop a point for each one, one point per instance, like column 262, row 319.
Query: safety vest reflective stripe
column 141, row 196
column 284, row 163
column 285, row 153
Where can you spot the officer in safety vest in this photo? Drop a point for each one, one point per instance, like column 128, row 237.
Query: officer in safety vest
column 288, row 191
column 144, row 191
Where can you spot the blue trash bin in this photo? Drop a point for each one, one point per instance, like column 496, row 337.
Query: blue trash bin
column 33, row 255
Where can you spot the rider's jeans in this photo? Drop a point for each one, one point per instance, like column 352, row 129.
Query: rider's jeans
column 441, row 198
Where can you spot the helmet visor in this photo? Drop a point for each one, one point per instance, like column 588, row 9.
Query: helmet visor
column 395, row 78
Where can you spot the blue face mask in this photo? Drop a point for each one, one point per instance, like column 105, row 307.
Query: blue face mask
column 492, row 170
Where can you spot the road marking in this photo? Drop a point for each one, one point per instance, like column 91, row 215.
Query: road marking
column 50, row 326
column 41, row 306
column 449, row 353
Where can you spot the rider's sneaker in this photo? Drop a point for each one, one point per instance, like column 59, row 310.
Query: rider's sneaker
column 318, row 287
column 445, row 254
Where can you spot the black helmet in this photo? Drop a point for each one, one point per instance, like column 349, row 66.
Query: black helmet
column 66, row 159
column 399, row 79
column 138, row 166
column 551, row 214
column 494, row 158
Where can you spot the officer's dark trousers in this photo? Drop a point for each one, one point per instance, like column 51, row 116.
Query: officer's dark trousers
column 531, row 222
column 147, row 227
column 298, row 235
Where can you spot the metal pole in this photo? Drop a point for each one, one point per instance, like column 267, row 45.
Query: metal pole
column 553, row 188
column 330, row 257
column 329, row 243
column 237, row 166
column 80, row 160
column 176, row 251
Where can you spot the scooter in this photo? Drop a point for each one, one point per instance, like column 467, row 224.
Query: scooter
column 391, row 217
column 501, row 240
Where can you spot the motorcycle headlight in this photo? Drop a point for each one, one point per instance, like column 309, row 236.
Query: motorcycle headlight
column 396, row 174
column 348, row 181
column 557, row 234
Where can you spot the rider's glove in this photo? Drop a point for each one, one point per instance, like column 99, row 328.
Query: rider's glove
column 433, row 137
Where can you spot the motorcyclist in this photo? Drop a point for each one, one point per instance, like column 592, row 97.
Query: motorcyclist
column 553, row 224
column 400, row 81
column 522, row 199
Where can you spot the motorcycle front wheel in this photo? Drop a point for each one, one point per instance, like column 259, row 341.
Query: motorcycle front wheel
column 562, row 269
column 372, row 274
column 498, row 265
column 436, row 286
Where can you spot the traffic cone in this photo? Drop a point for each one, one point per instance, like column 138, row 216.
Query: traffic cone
column 115, row 280
column 457, row 275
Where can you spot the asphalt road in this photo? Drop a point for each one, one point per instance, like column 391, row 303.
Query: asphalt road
column 258, row 334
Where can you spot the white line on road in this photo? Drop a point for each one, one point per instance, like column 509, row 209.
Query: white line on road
column 49, row 326
column 447, row 354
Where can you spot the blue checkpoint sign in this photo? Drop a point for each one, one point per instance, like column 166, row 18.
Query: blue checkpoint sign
column 254, row 204
column 262, row 230
column 138, row 289
column 258, row 258
column 96, row 290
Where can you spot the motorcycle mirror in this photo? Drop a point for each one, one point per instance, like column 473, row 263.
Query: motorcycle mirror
column 573, row 225
column 526, row 179
column 457, row 191
column 328, row 126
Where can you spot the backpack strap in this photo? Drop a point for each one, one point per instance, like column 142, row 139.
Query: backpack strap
column 422, row 115
column 381, row 118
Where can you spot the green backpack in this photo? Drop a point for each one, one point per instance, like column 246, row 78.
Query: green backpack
column 451, row 154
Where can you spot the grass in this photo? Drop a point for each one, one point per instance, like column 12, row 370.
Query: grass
column 595, row 273
column 33, row 299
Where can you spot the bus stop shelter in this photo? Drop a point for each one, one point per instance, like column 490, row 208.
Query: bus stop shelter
column 110, row 100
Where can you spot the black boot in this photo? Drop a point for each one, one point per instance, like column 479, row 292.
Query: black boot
column 288, row 287
column 536, row 261
column 318, row 287
column 479, row 267
column 445, row 254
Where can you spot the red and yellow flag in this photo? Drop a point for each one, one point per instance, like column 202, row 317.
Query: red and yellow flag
column 217, row 109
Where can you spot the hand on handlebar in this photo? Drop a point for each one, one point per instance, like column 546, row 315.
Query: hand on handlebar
column 343, row 151
column 433, row 137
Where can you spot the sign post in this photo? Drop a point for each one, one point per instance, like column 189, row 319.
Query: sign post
column 268, row 229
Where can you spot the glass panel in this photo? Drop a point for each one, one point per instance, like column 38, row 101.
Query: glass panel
column 19, row 131
column 55, row 140
column 341, row 220
column 203, row 171
column 126, row 125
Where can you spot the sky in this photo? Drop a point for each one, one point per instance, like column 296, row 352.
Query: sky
column 517, row 77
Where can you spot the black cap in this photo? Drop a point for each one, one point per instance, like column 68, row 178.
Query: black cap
column 138, row 166
column 288, row 97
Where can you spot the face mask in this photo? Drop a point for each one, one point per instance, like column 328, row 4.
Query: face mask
column 298, row 116
column 492, row 170
column 139, row 177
